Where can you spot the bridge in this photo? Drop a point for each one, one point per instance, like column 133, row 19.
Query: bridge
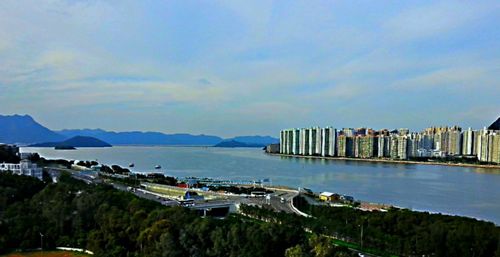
column 214, row 208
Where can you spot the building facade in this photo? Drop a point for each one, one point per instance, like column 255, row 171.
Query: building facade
column 433, row 142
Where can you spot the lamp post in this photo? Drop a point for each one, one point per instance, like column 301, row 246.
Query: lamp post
column 361, row 236
column 41, row 241
column 361, row 232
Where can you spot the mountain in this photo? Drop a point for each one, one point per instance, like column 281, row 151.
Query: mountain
column 77, row 141
column 143, row 138
column 495, row 125
column 234, row 143
column 254, row 140
column 23, row 129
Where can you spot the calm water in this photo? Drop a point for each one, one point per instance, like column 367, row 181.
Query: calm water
column 464, row 191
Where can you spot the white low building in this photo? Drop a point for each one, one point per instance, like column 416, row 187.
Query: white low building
column 25, row 167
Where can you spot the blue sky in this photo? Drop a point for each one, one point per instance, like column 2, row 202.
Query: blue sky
column 250, row 67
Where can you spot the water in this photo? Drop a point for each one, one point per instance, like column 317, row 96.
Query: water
column 465, row 191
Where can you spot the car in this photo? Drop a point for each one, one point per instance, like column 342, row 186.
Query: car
column 282, row 199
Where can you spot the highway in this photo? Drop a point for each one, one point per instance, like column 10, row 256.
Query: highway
column 280, row 200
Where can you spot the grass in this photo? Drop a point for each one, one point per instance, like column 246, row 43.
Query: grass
column 46, row 254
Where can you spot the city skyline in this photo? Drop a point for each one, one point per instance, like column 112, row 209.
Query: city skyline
column 247, row 68
column 365, row 143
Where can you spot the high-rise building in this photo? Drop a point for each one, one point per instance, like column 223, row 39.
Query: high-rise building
column 397, row 144
column 295, row 141
column 468, row 140
column 402, row 148
column 495, row 152
column 307, row 142
column 348, row 132
column 367, row 146
column 455, row 141
column 384, row 146
column 393, row 149
column 403, row 131
column 483, row 145
column 426, row 141
column 345, row 146
column 315, row 141
column 282, row 141
column 328, row 141
column 360, row 132
column 412, row 145
column 302, row 141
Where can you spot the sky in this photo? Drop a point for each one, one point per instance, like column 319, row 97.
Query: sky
column 250, row 67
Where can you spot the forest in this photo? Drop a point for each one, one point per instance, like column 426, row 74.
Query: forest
column 397, row 232
column 115, row 223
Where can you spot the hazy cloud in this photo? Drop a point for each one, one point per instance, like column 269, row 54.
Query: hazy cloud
column 247, row 67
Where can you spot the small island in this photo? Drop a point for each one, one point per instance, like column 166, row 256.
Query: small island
column 64, row 147
column 77, row 141
column 234, row 143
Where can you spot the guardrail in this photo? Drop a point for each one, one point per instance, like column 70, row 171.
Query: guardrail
column 297, row 210
column 75, row 250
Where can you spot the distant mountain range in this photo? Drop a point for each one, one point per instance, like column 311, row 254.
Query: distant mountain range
column 255, row 140
column 234, row 143
column 77, row 141
column 143, row 138
column 24, row 130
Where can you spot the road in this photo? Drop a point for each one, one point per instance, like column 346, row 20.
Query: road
column 279, row 201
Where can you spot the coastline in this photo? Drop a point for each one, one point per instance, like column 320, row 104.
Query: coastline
column 488, row 166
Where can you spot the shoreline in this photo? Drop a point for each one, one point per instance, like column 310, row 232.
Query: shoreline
column 487, row 166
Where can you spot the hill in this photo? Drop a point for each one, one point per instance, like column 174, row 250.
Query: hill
column 260, row 140
column 495, row 125
column 23, row 129
column 143, row 138
column 234, row 143
column 77, row 141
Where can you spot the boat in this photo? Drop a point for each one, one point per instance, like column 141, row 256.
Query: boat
column 157, row 167
column 131, row 165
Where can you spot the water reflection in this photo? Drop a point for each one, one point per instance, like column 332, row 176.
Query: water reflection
column 462, row 190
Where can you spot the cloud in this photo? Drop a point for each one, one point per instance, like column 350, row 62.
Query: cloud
column 436, row 19
column 465, row 78
column 204, row 82
column 245, row 66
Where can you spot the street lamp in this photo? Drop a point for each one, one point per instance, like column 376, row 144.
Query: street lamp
column 41, row 241
column 361, row 235
column 361, row 232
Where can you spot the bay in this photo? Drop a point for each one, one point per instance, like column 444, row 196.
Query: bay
column 465, row 191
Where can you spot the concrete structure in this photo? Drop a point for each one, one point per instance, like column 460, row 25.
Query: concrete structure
column 328, row 141
column 433, row 142
column 455, row 142
column 468, row 140
column 402, row 148
column 273, row 148
column 25, row 167
column 345, row 146
column 315, row 141
column 383, row 148
column 326, row 196
column 412, row 145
